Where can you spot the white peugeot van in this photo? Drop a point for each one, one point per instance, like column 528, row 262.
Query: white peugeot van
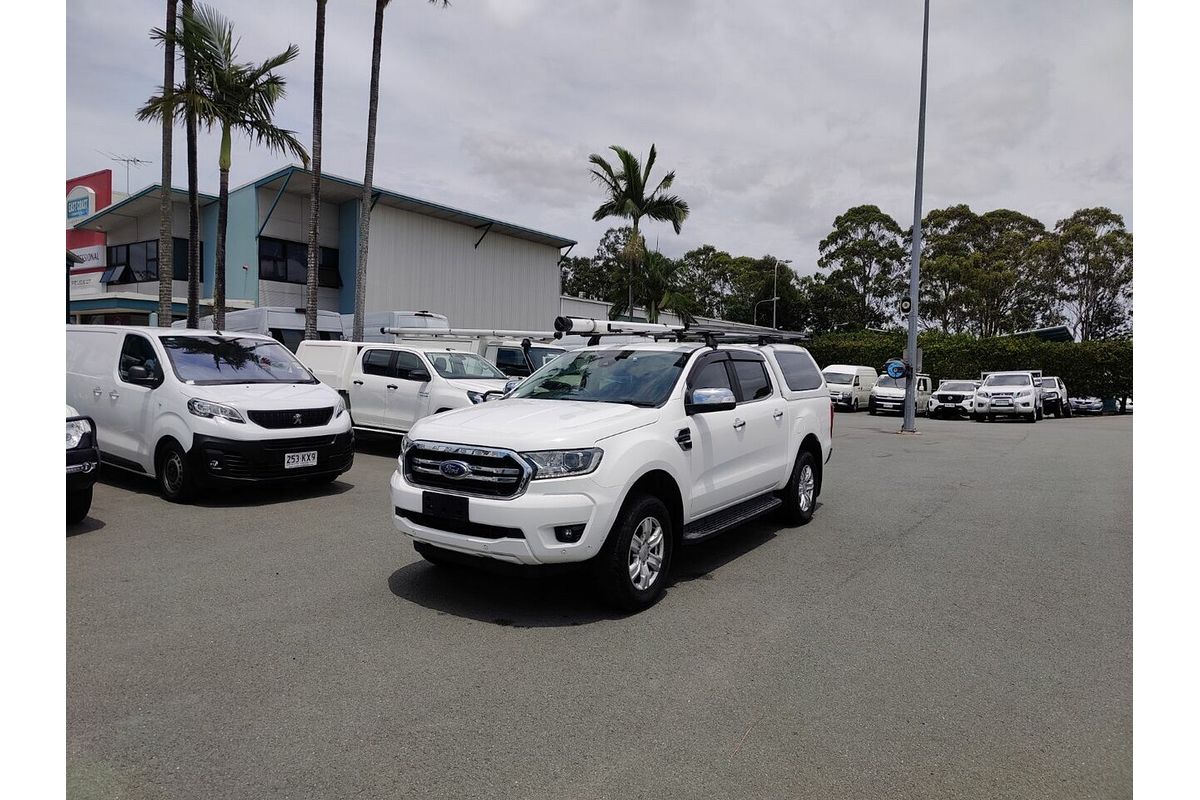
column 193, row 407
column 849, row 385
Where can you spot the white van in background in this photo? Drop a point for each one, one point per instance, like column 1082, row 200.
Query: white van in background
column 192, row 408
column 375, row 321
column 850, row 385
column 888, row 395
column 282, row 324
column 388, row 387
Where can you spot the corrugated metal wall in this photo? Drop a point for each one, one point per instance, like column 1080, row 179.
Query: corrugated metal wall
column 418, row 262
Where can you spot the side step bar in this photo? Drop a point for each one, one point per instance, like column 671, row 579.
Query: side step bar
column 706, row 527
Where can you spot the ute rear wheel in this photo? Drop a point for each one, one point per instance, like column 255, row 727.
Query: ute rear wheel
column 632, row 567
column 800, row 494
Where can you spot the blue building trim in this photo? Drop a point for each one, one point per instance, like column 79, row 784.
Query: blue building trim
column 241, row 245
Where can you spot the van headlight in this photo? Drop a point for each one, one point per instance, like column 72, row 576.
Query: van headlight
column 340, row 408
column 76, row 430
column 210, row 410
column 563, row 463
column 476, row 397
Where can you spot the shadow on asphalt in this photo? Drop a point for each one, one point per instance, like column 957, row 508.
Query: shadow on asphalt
column 85, row 525
column 528, row 597
column 225, row 496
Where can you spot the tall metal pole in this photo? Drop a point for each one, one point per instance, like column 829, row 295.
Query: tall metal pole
column 775, row 305
column 914, row 278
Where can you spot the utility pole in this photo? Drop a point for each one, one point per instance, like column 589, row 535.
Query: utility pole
column 914, row 278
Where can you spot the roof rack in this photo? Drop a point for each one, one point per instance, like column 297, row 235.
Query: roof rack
column 468, row 332
column 710, row 334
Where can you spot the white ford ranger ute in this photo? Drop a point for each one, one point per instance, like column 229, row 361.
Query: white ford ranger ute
column 616, row 455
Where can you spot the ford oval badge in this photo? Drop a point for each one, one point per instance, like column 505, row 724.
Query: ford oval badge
column 455, row 469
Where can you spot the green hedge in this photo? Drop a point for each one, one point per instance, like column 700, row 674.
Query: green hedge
column 1104, row 369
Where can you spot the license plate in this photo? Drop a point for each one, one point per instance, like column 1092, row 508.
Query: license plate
column 292, row 460
column 1004, row 402
column 445, row 506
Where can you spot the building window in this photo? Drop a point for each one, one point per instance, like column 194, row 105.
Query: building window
column 138, row 262
column 280, row 260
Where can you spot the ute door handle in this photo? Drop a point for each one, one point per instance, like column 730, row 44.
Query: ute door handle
column 392, row 386
column 113, row 395
column 778, row 413
column 96, row 391
column 738, row 424
column 358, row 383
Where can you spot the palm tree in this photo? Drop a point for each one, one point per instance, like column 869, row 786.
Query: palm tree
column 314, row 203
column 165, row 240
column 364, row 209
column 627, row 198
column 193, row 251
column 229, row 95
column 659, row 287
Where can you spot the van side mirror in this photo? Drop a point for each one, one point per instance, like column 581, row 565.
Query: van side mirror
column 706, row 401
column 418, row 375
column 141, row 376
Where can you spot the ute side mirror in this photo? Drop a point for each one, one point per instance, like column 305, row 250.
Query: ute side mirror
column 512, row 384
column 706, row 401
column 418, row 375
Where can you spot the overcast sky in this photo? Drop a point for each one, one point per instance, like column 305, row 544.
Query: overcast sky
column 776, row 115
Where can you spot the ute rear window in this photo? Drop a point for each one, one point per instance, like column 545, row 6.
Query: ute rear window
column 799, row 370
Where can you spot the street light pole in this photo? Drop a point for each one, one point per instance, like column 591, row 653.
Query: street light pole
column 759, row 303
column 914, row 278
column 775, row 304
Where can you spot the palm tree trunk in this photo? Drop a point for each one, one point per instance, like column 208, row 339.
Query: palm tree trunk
column 165, row 249
column 364, row 210
column 222, row 224
column 633, row 258
column 314, row 203
column 193, row 252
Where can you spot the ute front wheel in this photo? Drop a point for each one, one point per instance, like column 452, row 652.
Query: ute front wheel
column 631, row 569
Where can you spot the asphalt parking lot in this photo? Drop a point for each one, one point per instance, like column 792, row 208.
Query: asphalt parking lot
column 955, row 622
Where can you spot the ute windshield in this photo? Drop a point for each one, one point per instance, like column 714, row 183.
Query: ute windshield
column 633, row 377
column 233, row 359
column 462, row 366
column 1008, row 380
column 957, row 386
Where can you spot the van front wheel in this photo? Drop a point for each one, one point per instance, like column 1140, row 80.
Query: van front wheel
column 175, row 479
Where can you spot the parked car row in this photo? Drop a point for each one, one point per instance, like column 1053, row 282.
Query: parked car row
column 609, row 457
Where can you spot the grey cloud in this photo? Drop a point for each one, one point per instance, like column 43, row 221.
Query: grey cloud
column 776, row 116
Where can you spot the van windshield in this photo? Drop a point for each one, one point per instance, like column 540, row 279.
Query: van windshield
column 634, row 377
column 456, row 366
column 887, row 381
column 233, row 359
column 838, row 377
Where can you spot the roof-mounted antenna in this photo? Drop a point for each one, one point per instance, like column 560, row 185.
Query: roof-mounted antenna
column 127, row 161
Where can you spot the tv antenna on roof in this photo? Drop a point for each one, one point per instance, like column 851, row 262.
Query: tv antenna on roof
column 127, row 161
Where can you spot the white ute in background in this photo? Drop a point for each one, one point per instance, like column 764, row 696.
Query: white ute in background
column 388, row 387
column 617, row 454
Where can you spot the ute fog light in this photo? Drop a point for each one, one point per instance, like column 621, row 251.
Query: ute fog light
column 568, row 534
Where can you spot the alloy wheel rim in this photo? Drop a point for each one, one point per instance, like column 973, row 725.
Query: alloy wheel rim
column 806, row 486
column 646, row 549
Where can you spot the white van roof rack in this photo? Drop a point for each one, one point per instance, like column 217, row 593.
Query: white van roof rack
column 710, row 334
column 464, row 332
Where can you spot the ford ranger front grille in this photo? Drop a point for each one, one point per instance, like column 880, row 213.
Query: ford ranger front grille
column 465, row 469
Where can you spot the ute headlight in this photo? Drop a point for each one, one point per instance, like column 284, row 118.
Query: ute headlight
column 983, row 395
column 1025, row 393
column 476, row 397
column 210, row 410
column 563, row 463
column 76, row 430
